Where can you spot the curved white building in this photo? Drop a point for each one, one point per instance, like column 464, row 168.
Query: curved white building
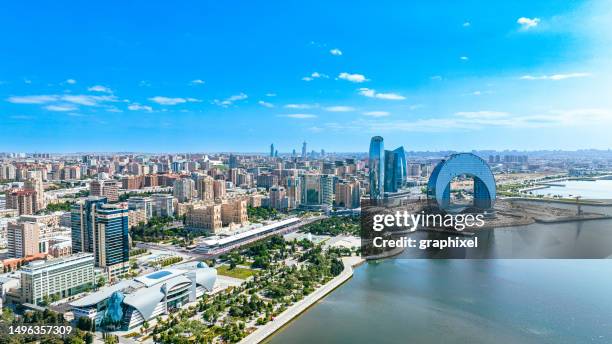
column 129, row 303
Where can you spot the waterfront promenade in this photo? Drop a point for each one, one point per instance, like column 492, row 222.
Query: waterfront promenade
column 282, row 319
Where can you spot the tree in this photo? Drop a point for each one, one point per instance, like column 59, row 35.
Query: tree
column 101, row 282
column 145, row 325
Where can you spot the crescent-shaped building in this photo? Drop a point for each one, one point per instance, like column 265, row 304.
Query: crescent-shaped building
column 130, row 303
column 462, row 164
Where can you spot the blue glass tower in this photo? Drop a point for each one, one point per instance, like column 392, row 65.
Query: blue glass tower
column 100, row 229
column 376, row 166
column 395, row 169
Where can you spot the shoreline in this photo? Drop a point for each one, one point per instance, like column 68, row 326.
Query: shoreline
column 266, row 331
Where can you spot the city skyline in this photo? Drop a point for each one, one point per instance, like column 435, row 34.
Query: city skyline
column 532, row 76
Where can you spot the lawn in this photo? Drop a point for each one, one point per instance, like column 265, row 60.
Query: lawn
column 237, row 272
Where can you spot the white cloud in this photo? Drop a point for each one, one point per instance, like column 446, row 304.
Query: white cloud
column 482, row 114
column 436, row 77
column 172, row 101
column 555, row 76
column 335, row 52
column 301, row 106
column 376, row 113
column 270, row 94
column 197, row 82
column 265, row 104
column 352, row 77
column 32, row 99
column 229, row 101
column 299, row 115
column 339, row 108
column 100, row 88
column 138, row 107
column 61, row 108
column 368, row 92
column 528, row 23
column 464, row 58
column 71, row 81
column 315, row 75
column 467, row 24
column 87, row 100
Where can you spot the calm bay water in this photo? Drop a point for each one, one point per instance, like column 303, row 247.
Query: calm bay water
column 476, row 300
column 598, row 189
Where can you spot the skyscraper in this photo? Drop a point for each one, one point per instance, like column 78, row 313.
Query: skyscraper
column 376, row 167
column 395, row 169
column 272, row 150
column 102, row 229
column 304, row 150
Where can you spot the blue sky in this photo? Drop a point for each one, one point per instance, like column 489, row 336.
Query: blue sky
column 237, row 76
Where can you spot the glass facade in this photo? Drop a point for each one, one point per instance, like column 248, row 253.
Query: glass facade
column 438, row 187
column 395, row 169
column 376, row 167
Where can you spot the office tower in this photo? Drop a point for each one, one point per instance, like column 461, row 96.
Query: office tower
column 184, row 189
column 277, row 197
column 22, row 239
column 219, row 189
column 204, row 185
column 63, row 277
column 304, row 150
column 102, row 229
column 23, row 200
column 376, row 167
column 141, row 203
column 163, row 205
column 272, row 150
column 395, row 169
column 233, row 161
column 293, row 153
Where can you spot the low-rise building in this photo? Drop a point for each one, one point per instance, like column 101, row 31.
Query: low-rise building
column 130, row 303
column 61, row 277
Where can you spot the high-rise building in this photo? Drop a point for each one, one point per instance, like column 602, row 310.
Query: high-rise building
column 34, row 182
column 304, row 150
column 347, row 194
column 376, row 167
column 278, row 198
column 233, row 161
column 272, row 150
column 184, row 189
column 22, row 239
column 395, row 169
column 141, row 203
column 163, row 205
column 102, row 229
column 317, row 190
column 294, row 191
column 234, row 211
column 204, row 185
column 62, row 277
column 219, row 189
column 105, row 188
column 24, row 200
